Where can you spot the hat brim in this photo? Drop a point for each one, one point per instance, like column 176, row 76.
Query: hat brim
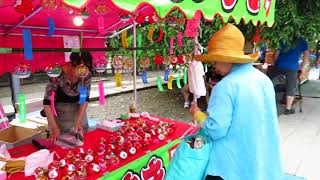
column 210, row 58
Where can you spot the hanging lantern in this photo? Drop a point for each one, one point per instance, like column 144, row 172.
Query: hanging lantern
column 101, row 9
column 78, row 21
column 117, row 62
column 127, row 63
column 22, row 71
column 54, row 71
column 82, row 71
column 172, row 22
column 24, row 6
column 100, row 66
column 145, row 62
column 49, row 4
column 125, row 16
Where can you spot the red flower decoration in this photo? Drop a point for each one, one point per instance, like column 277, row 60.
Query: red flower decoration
column 158, row 59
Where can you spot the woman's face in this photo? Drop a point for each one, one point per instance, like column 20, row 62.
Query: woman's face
column 222, row 68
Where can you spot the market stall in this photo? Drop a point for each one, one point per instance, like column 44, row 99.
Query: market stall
column 116, row 155
column 134, row 156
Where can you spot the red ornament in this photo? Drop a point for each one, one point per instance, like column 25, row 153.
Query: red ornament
column 158, row 59
column 89, row 158
column 153, row 19
column 69, row 170
column 93, row 168
column 54, row 174
column 54, row 165
column 123, row 155
column 181, row 59
column 24, row 6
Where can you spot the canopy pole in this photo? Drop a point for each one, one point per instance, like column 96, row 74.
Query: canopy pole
column 134, row 62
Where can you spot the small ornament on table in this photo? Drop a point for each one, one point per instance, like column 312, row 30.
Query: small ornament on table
column 54, row 174
column 82, row 169
column 54, row 165
column 69, row 171
column 93, row 168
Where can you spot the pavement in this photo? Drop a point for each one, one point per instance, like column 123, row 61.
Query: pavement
column 300, row 132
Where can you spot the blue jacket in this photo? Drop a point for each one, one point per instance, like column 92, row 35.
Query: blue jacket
column 243, row 125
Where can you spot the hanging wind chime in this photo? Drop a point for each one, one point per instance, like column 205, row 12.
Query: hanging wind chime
column 54, row 72
column 117, row 64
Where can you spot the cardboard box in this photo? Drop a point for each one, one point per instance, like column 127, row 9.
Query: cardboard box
column 16, row 136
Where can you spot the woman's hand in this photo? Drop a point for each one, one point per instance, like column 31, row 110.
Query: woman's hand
column 55, row 134
column 194, row 108
column 78, row 126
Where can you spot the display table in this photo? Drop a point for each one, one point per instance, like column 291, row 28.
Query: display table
column 149, row 161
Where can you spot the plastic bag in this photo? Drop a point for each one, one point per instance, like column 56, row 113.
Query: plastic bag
column 188, row 163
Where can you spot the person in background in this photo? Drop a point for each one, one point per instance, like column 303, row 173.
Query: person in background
column 70, row 114
column 211, row 79
column 287, row 64
column 241, row 118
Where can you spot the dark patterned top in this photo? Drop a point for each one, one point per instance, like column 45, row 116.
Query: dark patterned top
column 66, row 91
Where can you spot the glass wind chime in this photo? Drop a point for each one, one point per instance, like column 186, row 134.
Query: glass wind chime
column 100, row 68
column 54, row 72
column 22, row 71
column 128, row 67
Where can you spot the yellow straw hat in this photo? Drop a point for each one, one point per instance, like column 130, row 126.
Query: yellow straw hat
column 226, row 45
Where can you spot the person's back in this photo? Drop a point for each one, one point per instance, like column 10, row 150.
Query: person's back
column 250, row 148
column 289, row 58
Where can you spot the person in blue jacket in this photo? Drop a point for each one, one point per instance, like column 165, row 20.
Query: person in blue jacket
column 287, row 64
column 241, row 118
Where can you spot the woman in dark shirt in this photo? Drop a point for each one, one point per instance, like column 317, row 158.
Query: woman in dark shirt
column 70, row 114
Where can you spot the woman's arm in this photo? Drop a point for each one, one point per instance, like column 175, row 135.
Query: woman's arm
column 55, row 131
column 82, row 112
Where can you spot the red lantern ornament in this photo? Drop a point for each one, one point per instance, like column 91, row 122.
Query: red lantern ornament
column 54, row 165
column 93, row 168
column 181, row 59
column 54, row 174
column 24, row 6
column 158, row 59
column 89, row 158
column 69, row 170
column 63, row 162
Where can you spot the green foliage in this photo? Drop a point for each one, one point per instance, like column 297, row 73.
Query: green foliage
column 294, row 19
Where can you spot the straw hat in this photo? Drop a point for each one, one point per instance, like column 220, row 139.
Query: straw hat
column 226, row 45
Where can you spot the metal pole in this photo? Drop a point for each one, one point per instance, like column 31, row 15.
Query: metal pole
column 26, row 19
column 134, row 62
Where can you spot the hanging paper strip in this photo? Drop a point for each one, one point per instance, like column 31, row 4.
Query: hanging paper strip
column 166, row 75
column 102, row 98
column 178, row 81
column 185, row 75
column 52, row 101
column 83, row 94
column 101, row 24
column 180, row 39
column 159, row 84
column 22, row 108
column 118, row 79
column 170, row 82
column 144, row 77
column 4, row 123
column 51, row 26
column 171, row 45
column 139, row 42
column 27, row 44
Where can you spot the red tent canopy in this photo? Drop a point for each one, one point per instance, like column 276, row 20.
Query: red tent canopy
column 12, row 23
